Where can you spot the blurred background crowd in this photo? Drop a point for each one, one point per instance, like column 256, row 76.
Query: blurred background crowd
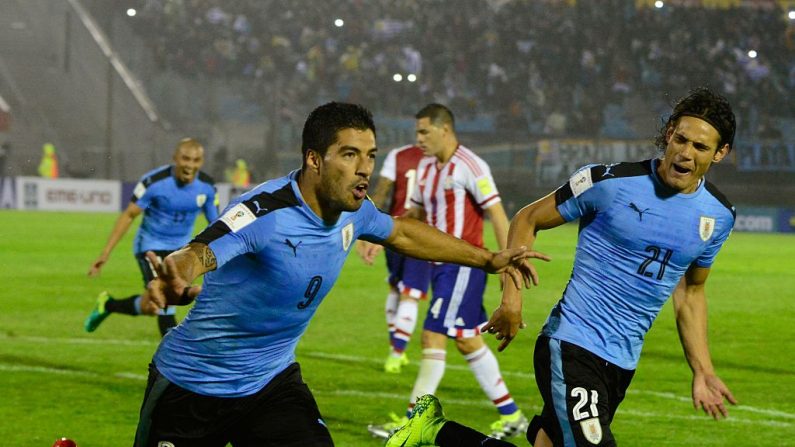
column 551, row 67
column 538, row 86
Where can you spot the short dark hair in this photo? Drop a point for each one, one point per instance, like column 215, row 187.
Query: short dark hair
column 711, row 107
column 437, row 114
column 322, row 125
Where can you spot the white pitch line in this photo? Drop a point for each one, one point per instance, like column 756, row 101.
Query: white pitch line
column 738, row 407
column 672, row 396
column 329, row 356
column 486, row 404
column 399, row 397
column 78, row 340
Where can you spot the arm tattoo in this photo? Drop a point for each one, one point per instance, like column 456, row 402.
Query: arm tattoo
column 207, row 257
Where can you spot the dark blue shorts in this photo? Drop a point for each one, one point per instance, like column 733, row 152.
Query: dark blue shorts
column 457, row 305
column 410, row 276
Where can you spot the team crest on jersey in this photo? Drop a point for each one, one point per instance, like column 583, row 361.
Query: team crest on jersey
column 592, row 430
column 705, row 227
column 448, row 182
column 347, row 236
column 164, row 444
column 201, row 199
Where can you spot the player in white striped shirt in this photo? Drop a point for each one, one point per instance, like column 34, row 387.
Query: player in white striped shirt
column 454, row 191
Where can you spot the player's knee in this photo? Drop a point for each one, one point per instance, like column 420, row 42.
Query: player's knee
column 469, row 345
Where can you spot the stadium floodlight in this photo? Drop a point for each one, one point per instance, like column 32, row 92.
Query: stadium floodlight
column 132, row 12
column 339, row 23
column 791, row 15
column 752, row 54
column 659, row 4
column 397, row 77
column 411, row 77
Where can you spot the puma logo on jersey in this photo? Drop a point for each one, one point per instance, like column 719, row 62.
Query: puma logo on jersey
column 293, row 246
column 638, row 210
column 260, row 210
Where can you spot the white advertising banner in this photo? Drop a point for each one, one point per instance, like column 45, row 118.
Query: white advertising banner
column 34, row 193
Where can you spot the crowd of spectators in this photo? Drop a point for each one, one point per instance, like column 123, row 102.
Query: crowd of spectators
column 553, row 66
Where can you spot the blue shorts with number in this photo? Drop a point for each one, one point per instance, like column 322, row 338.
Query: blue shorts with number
column 457, row 305
column 410, row 276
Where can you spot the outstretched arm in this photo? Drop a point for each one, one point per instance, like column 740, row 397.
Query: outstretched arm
column 690, row 305
column 539, row 215
column 419, row 240
column 175, row 273
column 120, row 228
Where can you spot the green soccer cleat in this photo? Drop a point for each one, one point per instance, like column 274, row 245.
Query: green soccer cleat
column 393, row 365
column 98, row 314
column 424, row 424
column 384, row 431
column 509, row 426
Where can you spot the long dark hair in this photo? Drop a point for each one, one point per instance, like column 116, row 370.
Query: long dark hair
column 702, row 103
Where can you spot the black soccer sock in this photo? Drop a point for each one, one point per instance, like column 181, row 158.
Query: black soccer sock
column 165, row 323
column 123, row 306
column 453, row 434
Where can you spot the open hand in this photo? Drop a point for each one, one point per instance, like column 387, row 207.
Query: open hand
column 513, row 262
column 368, row 251
column 708, row 394
column 97, row 266
column 505, row 323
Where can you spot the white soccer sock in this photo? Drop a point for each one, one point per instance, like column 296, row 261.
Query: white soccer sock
column 390, row 309
column 430, row 374
column 484, row 366
column 405, row 322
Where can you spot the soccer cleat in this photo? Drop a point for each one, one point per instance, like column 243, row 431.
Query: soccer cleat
column 424, row 424
column 393, row 365
column 98, row 314
column 384, row 431
column 509, row 426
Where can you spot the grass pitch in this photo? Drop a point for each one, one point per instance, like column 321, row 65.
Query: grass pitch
column 56, row 380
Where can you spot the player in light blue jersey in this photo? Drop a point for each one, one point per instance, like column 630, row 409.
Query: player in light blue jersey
column 648, row 230
column 227, row 373
column 170, row 198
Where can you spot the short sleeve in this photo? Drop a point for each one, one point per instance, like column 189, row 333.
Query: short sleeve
column 375, row 224
column 707, row 258
column 141, row 195
column 481, row 185
column 211, row 205
column 581, row 196
column 236, row 232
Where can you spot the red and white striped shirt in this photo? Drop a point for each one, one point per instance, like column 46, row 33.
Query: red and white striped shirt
column 400, row 166
column 455, row 194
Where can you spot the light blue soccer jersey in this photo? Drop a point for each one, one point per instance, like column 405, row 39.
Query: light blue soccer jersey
column 637, row 239
column 170, row 208
column 276, row 261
